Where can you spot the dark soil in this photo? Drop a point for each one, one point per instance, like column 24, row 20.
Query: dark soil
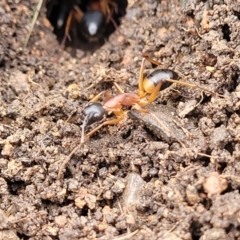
column 134, row 180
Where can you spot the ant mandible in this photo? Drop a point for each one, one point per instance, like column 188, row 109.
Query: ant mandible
column 91, row 23
column 148, row 90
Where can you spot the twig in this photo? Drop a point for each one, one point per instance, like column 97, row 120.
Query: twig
column 33, row 22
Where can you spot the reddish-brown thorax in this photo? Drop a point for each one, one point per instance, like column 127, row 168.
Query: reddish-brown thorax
column 123, row 99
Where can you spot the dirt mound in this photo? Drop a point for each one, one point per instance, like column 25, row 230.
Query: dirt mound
column 131, row 180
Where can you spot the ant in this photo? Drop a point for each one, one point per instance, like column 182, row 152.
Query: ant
column 148, row 90
column 93, row 21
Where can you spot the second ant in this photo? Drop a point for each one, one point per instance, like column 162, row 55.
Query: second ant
column 86, row 21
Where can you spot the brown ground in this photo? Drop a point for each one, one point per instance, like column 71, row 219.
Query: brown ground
column 129, row 181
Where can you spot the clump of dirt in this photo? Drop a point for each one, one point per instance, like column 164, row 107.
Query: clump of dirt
column 134, row 180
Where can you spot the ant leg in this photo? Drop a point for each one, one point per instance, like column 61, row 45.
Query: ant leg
column 108, row 122
column 113, row 4
column 119, row 89
column 108, row 7
column 155, row 92
column 68, row 25
column 141, row 78
column 145, row 55
column 115, row 24
column 107, row 96
column 77, row 14
column 105, row 6
column 94, row 99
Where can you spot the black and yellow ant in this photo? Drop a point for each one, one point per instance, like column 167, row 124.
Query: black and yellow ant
column 148, row 90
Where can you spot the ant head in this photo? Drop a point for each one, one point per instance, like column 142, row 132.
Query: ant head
column 93, row 112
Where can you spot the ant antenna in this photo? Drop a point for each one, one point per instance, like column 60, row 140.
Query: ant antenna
column 84, row 124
